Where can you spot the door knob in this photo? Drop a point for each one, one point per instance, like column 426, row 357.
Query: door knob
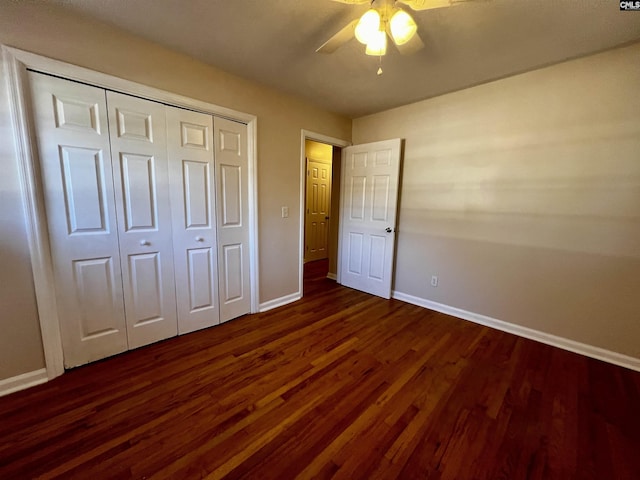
column 199, row 239
column 145, row 243
column 388, row 230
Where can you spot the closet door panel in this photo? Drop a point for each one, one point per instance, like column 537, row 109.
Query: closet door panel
column 74, row 154
column 140, row 169
column 191, row 170
column 232, row 189
column 138, row 190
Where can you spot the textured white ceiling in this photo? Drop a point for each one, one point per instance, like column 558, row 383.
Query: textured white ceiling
column 274, row 41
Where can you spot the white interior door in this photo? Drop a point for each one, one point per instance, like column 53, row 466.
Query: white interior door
column 73, row 144
column 370, row 175
column 232, row 189
column 318, row 208
column 191, row 169
column 139, row 162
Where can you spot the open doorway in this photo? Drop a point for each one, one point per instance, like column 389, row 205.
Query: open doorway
column 317, row 208
column 320, row 207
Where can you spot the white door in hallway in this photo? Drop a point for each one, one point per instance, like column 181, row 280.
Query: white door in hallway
column 75, row 162
column 232, row 193
column 318, row 206
column 370, row 176
column 140, row 170
column 191, row 170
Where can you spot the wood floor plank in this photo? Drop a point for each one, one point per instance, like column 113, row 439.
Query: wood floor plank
column 338, row 385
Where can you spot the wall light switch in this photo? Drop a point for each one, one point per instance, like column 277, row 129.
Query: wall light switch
column 285, row 212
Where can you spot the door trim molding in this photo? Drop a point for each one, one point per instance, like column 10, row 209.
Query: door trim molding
column 16, row 62
column 317, row 137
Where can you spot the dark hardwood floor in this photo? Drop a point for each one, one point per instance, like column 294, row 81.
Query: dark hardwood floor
column 337, row 385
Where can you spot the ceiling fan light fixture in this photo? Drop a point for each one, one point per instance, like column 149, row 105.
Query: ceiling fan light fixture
column 402, row 27
column 368, row 25
column 377, row 44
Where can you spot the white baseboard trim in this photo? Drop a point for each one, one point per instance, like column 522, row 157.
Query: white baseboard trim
column 553, row 340
column 279, row 302
column 25, row 380
column 332, row 276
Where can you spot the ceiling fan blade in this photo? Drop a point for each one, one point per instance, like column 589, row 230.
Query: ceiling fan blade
column 412, row 46
column 339, row 39
column 427, row 4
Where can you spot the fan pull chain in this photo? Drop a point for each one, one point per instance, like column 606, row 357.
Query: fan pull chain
column 380, row 67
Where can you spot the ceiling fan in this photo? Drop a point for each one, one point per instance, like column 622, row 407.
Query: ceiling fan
column 383, row 19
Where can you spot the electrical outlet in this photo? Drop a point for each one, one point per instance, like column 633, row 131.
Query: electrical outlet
column 434, row 280
column 285, row 212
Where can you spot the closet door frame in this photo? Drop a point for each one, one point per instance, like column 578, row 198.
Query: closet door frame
column 16, row 63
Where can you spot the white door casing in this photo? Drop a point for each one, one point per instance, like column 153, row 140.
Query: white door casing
column 195, row 254
column 231, row 161
column 140, row 170
column 75, row 161
column 370, row 175
column 318, row 209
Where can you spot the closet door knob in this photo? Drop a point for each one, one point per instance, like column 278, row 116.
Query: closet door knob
column 199, row 239
column 145, row 243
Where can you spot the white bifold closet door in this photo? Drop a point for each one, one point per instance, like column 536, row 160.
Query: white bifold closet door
column 233, row 217
column 140, row 169
column 75, row 163
column 147, row 214
column 195, row 254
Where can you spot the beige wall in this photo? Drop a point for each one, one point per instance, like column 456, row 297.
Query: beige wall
column 523, row 196
column 42, row 29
